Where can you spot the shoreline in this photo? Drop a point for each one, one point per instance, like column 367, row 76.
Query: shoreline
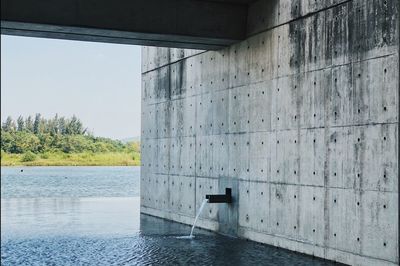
column 72, row 159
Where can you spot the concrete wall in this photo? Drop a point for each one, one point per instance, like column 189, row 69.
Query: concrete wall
column 302, row 121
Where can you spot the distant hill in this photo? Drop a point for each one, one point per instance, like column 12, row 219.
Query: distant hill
column 126, row 140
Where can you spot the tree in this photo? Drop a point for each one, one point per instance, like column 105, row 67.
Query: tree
column 29, row 124
column 9, row 125
column 61, row 125
column 54, row 129
column 20, row 123
column 36, row 124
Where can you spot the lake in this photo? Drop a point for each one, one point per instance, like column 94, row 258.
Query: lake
column 90, row 216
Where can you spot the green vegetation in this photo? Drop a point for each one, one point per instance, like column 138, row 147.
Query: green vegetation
column 60, row 141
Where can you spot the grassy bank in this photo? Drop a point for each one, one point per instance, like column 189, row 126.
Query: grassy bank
column 71, row 159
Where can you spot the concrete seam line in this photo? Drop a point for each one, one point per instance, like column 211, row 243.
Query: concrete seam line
column 298, row 18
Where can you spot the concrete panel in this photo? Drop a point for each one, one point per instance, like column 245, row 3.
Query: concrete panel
column 312, row 159
column 260, row 105
column 260, row 156
column 239, row 111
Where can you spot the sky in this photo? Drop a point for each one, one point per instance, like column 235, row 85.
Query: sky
column 98, row 82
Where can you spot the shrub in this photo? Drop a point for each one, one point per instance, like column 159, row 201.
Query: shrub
column 28, row 157
column 44, row 155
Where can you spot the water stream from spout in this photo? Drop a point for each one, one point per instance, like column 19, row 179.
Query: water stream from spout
column 197, row 216
column 195, row 220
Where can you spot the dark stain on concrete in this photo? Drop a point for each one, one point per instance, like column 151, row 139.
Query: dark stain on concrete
column 297, row 37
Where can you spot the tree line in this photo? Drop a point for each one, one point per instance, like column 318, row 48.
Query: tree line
column 39, row 125
column 57, row 134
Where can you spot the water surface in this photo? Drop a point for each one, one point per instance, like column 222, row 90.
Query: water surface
column 90, row 216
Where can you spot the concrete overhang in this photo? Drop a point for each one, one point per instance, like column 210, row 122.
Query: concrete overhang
column 196, row 24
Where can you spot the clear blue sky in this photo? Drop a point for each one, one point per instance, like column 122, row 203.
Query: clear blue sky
column 98, row 82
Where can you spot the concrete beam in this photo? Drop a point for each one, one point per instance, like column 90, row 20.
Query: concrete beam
column 173, row 23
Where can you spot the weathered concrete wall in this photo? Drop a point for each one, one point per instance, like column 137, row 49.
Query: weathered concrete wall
column 301, row 120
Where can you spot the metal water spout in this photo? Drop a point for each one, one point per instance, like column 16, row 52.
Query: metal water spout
column 221, row 198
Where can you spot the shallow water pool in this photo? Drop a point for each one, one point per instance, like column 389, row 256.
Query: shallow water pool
column 57, row 229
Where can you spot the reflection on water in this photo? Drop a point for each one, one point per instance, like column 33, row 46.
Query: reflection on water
column 25, row 217
column 70, row 181
column 105, row 230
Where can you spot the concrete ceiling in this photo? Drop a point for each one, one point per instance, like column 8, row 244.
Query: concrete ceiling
column 246, row 2
column 198, row 24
